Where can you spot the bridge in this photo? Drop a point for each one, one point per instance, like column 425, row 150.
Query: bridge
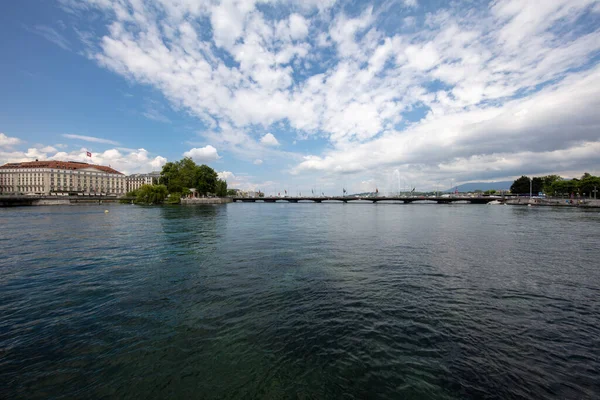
column 348, row 199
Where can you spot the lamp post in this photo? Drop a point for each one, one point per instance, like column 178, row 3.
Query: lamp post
column 530, row 188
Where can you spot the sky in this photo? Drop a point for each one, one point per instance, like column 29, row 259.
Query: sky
column 306, row 96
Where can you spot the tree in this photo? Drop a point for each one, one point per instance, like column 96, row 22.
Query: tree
column 221, row 188
column 130, row 194
column 151, row 194
column 520, row 186
column 232, row 192
column 537, row 185
column 174, row 198
column 490, row 192
column 565, row 187
column 587, row 183
column 548, row 182
column 206, row 180
column 184, row 174
column 180, row 175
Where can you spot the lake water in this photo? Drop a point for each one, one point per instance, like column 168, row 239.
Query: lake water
column 308, row 301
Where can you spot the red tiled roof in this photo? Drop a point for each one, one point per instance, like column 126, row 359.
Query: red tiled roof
column 59, row 165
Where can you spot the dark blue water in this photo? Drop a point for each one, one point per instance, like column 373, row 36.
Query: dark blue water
column 307, row 301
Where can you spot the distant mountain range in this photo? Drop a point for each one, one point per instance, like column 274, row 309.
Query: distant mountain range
column 473, row 186
column 465, row 187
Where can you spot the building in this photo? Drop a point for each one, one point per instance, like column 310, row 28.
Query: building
column 135, row 181
column 60, row 177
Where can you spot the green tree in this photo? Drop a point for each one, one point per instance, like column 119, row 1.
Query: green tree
column 206, row 180
column 548, row 182
column 231, row 192
column 133, row 193
column 180, row 175
column 221, row 188
column 174, row 198
column 520, row 186
column 587, row 183
column 565, row 187
column 489, row 192
column 151, row 194
column 537, row 185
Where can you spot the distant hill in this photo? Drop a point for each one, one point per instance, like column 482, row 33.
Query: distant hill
column 473, row 186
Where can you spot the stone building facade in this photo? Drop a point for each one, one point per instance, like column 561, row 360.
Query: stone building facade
column 135, row 181
column 60, row 177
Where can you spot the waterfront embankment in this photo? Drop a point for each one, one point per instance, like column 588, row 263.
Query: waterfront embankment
column 195, row 201
column 587, row 203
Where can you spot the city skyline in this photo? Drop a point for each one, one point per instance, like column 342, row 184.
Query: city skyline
column 311, row 95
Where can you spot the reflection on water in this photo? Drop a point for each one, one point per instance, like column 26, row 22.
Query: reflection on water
column 299, row 300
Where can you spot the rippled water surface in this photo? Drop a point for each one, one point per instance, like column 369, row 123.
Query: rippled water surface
column 306, row 301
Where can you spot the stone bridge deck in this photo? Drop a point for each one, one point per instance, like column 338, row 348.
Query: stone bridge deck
column 347, row 199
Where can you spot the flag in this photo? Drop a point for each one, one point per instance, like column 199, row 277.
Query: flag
column 376, row 190
column 285, row 191
column 87, row 153
column 344, row 190
column 312, row 191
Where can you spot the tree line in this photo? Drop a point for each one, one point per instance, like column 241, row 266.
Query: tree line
column 176, row 180
column 554, row 185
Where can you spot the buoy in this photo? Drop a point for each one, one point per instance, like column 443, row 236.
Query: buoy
column 105, row 211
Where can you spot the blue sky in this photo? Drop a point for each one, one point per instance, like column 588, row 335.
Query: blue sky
column 311, row 95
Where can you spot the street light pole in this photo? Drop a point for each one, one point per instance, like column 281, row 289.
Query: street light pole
column 530, row 188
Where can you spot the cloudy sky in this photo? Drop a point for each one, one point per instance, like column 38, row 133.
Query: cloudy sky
column 308, row 95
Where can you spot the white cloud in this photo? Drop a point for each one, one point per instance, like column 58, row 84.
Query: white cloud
column 51, row 35
column 514, row 140
column 204, row 154
column 90, row 139
column 158, row 162
column 269, row 140
column 412, row 99
column 258, row 161
column 6, row 141
column 298, row 26
column 226, row 175
column 48, row 149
